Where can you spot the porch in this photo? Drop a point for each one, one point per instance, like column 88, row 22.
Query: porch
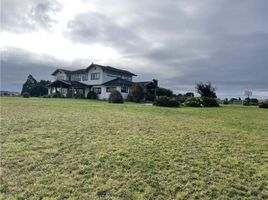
column 63, row 87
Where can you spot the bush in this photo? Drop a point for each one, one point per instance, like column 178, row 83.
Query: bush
column 26, row 95
column 193, row 102
column 263, row 104
column 166, row 101
column 225, row 101
column 57, row 95
column 250, row 102
column 209, row 102
column 79, row 95
column 164, row 92
column 70, row 94
column 115, row 97
column 92, row 95
column 201, row 102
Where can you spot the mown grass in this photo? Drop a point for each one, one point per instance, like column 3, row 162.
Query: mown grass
column 81, row 149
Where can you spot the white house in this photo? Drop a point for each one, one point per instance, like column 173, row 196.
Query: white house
column 97, row 78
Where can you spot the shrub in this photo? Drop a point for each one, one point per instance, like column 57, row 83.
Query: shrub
column 47, row 96
column 137, row 93
column 225, row 101
column 181, row 98
column 92, row 95
column 70, row 94
column 78, row 95
column 115, row 97
column 193, row 102
column 263, row 104
column 250, row 102
column 129, row 97
column 209, row 102
column 26, row 95
column 149, row 97
column 166, row 101
column 164, row 92
column 57, row 95
column 201, row 102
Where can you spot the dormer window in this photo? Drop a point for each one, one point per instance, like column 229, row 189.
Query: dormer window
column 95, row 76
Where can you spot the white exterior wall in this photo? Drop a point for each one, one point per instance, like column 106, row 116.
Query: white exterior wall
column 105, row 95
column 86, row 91
column 94, row 82
column 60, row 74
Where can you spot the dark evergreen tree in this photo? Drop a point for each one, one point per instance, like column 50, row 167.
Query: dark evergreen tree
column 189, row 94
column 35, row 88
column 29, row 84
column 164, row 92
column 206, row 90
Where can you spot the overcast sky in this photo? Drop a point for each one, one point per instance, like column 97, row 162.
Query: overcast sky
column 177, row 42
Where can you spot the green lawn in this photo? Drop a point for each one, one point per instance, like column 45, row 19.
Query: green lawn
column 81, row 149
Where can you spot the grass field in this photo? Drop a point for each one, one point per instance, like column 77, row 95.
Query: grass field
column 81, row 149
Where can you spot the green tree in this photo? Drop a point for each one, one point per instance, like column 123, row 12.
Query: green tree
column 137, row 93
column 29, row 84
column 164, row 92
column 35, row 88
column 206, row 90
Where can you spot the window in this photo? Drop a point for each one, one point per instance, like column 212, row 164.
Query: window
column 124, row 89
column 109, row 89
column 97, row 90
column 84, row 77
column 76, row 77
column 95, row 76
column 60, row 77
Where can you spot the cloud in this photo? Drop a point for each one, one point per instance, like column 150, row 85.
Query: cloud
column 17, row 64
column 178, row 42
column 93, row 28
column 184, row 42
column 29, row 15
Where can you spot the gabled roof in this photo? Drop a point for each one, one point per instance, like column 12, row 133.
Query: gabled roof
column 60, row 70
column 143, row 82
column 104, row 68
column 118, row 82
column 67, row 84
column 68, row 72
column 111, row 69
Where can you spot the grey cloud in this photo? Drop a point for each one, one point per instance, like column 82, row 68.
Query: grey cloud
column 29, row 15
column 17, row 64
column 91, row 28
column 182, row 42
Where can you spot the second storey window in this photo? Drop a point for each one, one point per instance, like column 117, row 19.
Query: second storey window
column 84, row 77
column 97, row 90
column 77, row 77
column 60, row 77
column 95, row 76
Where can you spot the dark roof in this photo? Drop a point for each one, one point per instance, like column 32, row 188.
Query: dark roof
column 118, row 82
column 67, row 84
column 68, row 72
column 111, row 69
column 105, row 68
column 143, row 82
